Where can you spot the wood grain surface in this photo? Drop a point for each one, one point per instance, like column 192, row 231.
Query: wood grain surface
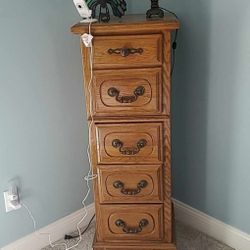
column 130, row 176
column 150, row 51
column 126, row 82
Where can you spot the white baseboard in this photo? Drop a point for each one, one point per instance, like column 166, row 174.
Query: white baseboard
column 184, row 213
column 58, row 229
column 211, row 226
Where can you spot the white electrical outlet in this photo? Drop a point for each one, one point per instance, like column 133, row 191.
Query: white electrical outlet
column 11, row 199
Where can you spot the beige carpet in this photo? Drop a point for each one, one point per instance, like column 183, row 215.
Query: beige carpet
column 186, row 238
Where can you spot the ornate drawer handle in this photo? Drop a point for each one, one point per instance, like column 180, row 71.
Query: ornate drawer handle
column 131, row 230
column 129, row 151
column 113, row 92
column 124, row 52
column 127, row 191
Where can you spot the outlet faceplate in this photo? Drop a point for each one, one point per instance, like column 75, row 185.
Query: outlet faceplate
column 9, row 203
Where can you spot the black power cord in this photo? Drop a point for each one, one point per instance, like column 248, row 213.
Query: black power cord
column 174, row 47
column 69, row 237
column 169, row 11
column 174, row 44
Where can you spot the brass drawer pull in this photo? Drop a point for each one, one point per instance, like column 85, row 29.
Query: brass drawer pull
column 124, row 52
column 127, row 191
column 131, row 230
column 129, row 151
column 113, row 92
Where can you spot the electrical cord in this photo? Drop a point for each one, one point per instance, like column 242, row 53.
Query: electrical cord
column 174, row 47
column 68, row 236
column 30, row 214
column 169, row 11
column 88, row 178
column 90, row 175
column 174, row 44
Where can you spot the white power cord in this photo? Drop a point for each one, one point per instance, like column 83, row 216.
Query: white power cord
column 90, row 176
column 87, row 40
column 30, row 214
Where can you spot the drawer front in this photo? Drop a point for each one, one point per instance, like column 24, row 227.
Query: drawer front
column 127, row 51
column 127, row 92
column 131, row 222
column 129, row 143
column 130, row 184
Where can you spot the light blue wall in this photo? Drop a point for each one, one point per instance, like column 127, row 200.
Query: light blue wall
column 43, row 132
column 211, row 109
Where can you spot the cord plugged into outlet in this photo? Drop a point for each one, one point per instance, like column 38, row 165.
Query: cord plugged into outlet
column 11, row 199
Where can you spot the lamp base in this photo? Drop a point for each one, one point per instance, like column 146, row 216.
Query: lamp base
column 155, row 11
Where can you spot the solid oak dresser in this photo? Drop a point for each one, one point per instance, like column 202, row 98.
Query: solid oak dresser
column 128, row 108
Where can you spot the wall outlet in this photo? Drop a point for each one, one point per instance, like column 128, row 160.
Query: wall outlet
column 11, row 199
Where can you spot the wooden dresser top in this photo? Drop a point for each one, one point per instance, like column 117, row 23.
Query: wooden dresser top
column 129, row 24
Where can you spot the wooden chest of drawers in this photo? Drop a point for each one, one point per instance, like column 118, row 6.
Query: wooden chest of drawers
column 128, row 108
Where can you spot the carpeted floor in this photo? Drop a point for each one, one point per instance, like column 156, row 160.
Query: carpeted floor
column 186, row 238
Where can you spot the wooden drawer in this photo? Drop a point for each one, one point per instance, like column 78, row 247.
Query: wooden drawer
column 127, row 92
column 131, row 222
column 130, row 184
column 129, row 143
column 127, row 51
